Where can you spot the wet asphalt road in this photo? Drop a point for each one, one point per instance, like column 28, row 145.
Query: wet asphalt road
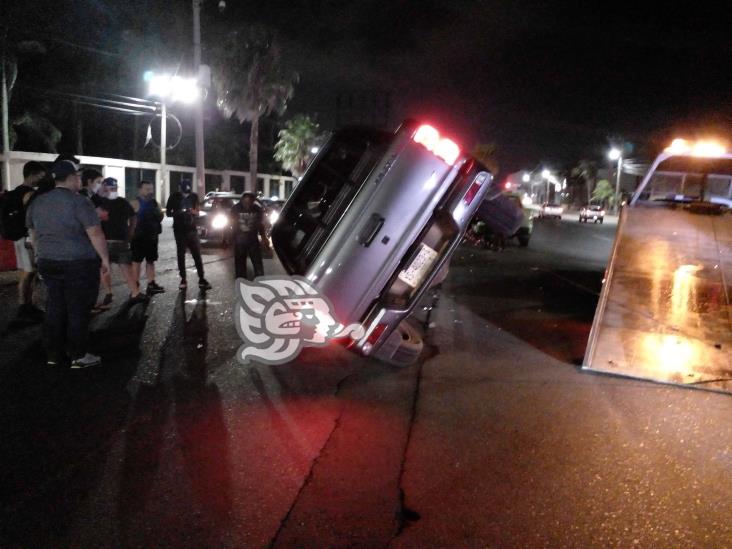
column 494, row 438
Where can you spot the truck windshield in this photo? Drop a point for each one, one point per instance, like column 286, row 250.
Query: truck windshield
column 324, row 194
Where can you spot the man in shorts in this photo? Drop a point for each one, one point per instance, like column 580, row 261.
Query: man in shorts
column 118, row 230
column 144, row 242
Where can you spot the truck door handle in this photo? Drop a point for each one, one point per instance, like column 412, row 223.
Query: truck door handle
column 370, row 230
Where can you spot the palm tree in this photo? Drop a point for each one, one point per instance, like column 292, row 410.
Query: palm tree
column 604, row 192
column 296, row 139
column 251, row 82
column 487, row 154
column 587, row 170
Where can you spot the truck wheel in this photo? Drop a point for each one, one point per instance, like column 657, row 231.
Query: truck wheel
column 523, row 240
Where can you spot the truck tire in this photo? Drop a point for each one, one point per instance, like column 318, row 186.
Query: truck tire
column 523, row 240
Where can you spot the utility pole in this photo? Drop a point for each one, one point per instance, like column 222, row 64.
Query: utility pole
column 6, row 126
column 164, row 187
column 616, row 154
column 199, row 185
column 617, row 185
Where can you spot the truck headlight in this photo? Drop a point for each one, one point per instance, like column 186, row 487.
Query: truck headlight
column 219, row 222
column 274, row 216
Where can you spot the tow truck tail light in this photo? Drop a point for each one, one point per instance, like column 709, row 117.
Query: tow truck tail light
column 442, row 147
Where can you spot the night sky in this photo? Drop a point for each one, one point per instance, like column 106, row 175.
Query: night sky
column 549, row 82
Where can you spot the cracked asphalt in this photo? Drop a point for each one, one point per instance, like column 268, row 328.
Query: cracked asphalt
column 494, row 438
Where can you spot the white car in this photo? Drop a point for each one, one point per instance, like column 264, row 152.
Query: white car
column 551, row 210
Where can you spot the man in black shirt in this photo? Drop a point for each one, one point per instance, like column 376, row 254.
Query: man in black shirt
column 182, row 206
column 248, row 228
column 118, row 227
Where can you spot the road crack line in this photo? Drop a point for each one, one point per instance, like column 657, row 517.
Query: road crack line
column 309, row 476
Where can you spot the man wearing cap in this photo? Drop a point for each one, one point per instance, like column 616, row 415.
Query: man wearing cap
column 70, row 248
column 248, row 228
column 118, row 227
column 182, row 206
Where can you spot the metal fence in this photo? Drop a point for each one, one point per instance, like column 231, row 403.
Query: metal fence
column 129, row 172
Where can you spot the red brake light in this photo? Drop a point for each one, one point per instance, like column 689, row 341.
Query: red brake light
column 472, row 191
column 447, row 150
column 442, row 147
column 427, row 136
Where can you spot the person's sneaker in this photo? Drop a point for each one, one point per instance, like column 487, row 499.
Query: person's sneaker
column 183, row 284
column 204, row 284
column 85, row 362
column 154, row 288
column 105, row 303
column 139, row 298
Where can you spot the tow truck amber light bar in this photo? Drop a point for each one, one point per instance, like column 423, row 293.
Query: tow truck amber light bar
column 707, row 149
column 444, row 148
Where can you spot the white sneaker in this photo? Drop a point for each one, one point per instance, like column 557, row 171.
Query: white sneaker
column 85, row 361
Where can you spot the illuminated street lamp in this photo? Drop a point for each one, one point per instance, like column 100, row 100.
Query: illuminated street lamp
column 616, row 154
column 173, row 89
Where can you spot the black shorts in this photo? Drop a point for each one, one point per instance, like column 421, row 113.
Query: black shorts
column 144, row 249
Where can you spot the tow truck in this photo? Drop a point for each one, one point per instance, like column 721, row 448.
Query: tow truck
column 664, row 312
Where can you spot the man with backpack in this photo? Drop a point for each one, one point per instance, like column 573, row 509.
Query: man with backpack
column 182, row 206
column 144, row 242
column 12, row 215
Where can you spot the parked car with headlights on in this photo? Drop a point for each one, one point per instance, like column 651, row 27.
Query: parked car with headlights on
column 214, row 222
column 551, row 210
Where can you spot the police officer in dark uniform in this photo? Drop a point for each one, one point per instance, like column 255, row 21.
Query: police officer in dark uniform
column 182, row 206
column 248, row 219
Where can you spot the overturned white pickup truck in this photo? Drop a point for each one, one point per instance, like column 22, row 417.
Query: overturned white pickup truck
column 374, row 221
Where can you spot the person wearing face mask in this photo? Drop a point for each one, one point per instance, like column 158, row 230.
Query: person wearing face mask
column 118, row 229
column 182, row 206
column 91, row 183
column 91, row 180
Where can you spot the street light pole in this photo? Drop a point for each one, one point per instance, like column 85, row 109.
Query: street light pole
column 200, row 182
column 6, row 130
column 164, row 187
column 617, row 185
column 617, row 154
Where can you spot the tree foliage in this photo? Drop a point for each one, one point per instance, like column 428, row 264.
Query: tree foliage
column 487, row 154
column 603, row 192
column 295, row 142
column 251, row 82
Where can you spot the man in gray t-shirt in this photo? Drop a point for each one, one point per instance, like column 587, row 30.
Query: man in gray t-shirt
column 70, row 247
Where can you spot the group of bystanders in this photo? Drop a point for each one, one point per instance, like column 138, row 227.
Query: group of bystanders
column 69, row 226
